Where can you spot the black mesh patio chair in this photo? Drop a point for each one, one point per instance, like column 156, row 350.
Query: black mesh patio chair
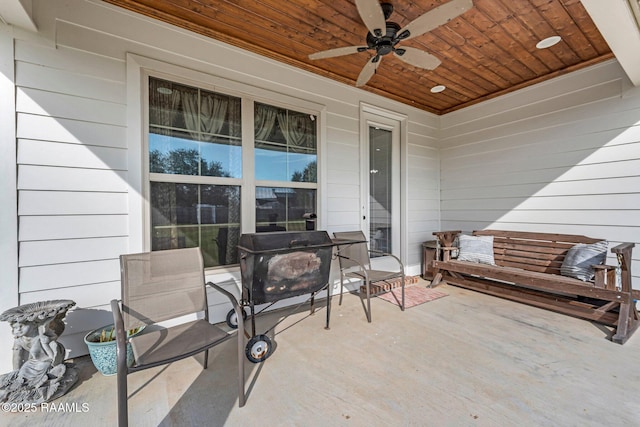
column 158, row 286
column 355, row 263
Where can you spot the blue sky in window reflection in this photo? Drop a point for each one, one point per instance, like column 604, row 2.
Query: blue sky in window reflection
column 173, row 155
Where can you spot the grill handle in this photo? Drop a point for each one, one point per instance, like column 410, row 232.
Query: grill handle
column 297, row 243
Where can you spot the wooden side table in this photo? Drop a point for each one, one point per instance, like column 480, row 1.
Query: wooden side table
column 429, row 253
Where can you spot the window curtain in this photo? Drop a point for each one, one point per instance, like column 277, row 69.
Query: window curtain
column 296, row 129
column 166, row 104
column 264, row 121
column 209, row 119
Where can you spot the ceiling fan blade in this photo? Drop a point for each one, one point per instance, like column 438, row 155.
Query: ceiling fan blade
column 417, row 58
column 368, row 71
column 340, row 51
column 372, row 16
column 434, row 18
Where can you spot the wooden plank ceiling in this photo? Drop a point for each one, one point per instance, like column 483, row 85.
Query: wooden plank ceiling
column 488, row 51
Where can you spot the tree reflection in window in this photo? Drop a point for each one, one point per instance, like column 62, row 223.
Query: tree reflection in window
column 285, row 144
column 309, row 174
column 184, row 161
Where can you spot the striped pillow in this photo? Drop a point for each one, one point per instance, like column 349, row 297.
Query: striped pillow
column 579, row 259
column 476, row 249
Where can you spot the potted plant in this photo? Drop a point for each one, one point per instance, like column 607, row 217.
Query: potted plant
column 102, row 348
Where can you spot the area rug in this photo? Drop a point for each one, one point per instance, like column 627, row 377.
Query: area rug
column 413, row 295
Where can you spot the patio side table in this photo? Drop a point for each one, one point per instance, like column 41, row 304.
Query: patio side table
column 429, row 253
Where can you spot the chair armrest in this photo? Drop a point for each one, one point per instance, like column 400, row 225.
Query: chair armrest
column 622, row 247
column 118, row 322
column 624, row 252
column 604, row 267
column 121, row 334
column 362, row 267
column 605, row 276
column 390, row 255
column 234, row 302
column 338, row 255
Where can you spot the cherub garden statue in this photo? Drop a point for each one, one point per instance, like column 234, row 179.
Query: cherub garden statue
column 39, row 374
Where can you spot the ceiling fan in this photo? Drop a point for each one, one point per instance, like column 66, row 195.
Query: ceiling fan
column 383, row 35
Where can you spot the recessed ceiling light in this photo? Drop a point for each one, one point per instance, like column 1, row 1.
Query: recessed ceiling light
column 438, row 89
column 165, row 90
column 548, row 42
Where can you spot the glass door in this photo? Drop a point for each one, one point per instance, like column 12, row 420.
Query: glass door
column 380, row 189
column 381, row 214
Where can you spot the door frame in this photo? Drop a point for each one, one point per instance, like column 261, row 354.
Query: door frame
column 370, row 114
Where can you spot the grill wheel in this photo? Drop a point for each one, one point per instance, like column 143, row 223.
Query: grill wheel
column 232, row 318
column 259, row 348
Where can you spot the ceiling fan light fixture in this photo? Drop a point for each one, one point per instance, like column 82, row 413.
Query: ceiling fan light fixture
column 438, row 88
column 548, row 42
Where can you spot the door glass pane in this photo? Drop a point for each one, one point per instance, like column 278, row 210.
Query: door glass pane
column 380, row 201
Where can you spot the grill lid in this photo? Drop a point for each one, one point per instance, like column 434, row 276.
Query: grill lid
column 283, row 240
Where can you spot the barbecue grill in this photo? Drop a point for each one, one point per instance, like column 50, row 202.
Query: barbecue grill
column 280, row 265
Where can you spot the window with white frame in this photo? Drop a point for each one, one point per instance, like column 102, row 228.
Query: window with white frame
column 285, row 152
column 197, row 143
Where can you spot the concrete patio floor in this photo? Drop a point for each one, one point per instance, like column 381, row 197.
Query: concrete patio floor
column 464, row 360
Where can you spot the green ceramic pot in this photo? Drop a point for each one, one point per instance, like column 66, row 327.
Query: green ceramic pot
column 103, row 354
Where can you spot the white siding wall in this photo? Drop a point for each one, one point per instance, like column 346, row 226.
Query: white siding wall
column 563, row 156
column 8, row 206
column 75, row 176
column 423, row 175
